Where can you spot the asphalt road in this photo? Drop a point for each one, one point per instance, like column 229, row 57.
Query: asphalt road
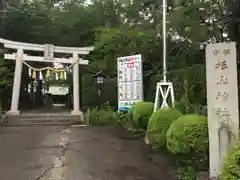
column 77, row 153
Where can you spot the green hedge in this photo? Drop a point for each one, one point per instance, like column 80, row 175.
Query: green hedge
column 140, row 113
column 159, row 124
column 231, row 166
column 187, row 138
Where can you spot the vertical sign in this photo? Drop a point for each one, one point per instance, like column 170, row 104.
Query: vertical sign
column 222, row 99
column 49, row 51
column 130, row 84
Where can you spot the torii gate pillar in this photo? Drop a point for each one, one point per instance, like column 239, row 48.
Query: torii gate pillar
column 76, row 109
column 16, row 84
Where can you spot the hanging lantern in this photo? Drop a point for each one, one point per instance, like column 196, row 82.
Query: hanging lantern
column 34, row 75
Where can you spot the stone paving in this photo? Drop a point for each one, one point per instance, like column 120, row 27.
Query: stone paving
column 77, row 153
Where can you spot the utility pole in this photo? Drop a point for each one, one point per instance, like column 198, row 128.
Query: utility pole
column 164, row 88
column 164, row 40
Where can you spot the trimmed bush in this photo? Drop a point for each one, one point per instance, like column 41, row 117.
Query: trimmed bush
column 188, row 134
column 141, row 112
column 159, row 124
column 231, row 166
column 103, row 117
column 187, row 138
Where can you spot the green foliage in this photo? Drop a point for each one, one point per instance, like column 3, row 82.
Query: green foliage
column 181, row 107
column 141, row 112
column 191, row 108
column 231, row 166
column 122, row 118
column 187, row 138
column 159, row 124
column 188, row 134
column 186, row 172
column 130, row 115
column 102, row 117
column 5, row 75
column 125, row 120
column 198, row 109
column 130, row 122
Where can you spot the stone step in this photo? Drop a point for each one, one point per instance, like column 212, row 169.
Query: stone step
column 40, row 119
column 30, row 123
column 44, row 115
column 34, row 124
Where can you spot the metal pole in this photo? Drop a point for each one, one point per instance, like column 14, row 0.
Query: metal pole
column 164, row 41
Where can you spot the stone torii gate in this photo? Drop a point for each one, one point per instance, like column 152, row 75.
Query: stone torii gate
column 49, row 51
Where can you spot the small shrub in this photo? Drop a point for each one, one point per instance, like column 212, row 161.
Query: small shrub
column 141, row 112
column 122, row 117
column 125, row 119
column 159, row 124
column 231, row 166
column 187, row 138
column 103, row 117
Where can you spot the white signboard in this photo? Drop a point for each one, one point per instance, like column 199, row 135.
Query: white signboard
column 222, row 100
column 58, row 90
column 130, row 83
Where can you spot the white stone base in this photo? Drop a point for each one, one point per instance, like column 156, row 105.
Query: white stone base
column 78, row 113
column 13, row 113
column 146, row 140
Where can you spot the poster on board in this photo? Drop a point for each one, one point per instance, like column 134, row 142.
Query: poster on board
column 130, row 81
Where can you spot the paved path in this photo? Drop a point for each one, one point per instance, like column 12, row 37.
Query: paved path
column 80, row 153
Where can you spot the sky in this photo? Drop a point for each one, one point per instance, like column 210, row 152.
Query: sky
column 88, row 1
